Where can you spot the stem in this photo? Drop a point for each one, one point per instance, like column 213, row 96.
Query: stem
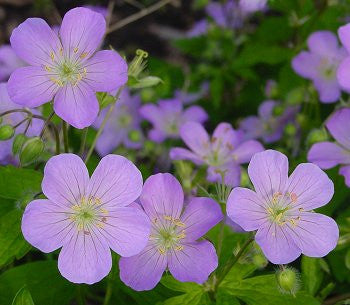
column 80, row 295
column 47, row 122
column 221, row 237
column 20, row 123
column 104, row 122
column 336, row 299
column 110, row 282
column 144, row 12
column 57, row 135
column 15, row 110
column 83, row 141
column 65, row 136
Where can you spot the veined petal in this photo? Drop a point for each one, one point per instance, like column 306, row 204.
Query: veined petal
column 195, row 113
column 46, row 225
column 179, row 153
column 338, row 125
column 116, row 182
column 324, row 43
column 106, row 71
column 306, row 64
column 225, row 137
column 244, row 152
column 35, row 42
column 77, row 105
column 143, row 271
column 81, row 33
column 195, row 137
column 194, row 263
column 31, row 86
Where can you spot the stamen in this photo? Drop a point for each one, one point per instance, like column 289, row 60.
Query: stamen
column 52, row 55
column 83, row 55
column 294, row 197
column 75, row 50
column 179, row 248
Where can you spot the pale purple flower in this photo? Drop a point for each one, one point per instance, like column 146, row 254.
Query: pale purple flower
column 328, row 154
column 320, row 64
column 252, row 6
column 65, row 68
column 199, row 28
column 343, row 74
column 222, row 153
column 281, row 208
column 227, row 15
column 173, row 243
column 168, row 116
column 87, row 216
column 266, row 125
column 122, row 125
column 98, row 9
column 13, row 119
column 9, row 62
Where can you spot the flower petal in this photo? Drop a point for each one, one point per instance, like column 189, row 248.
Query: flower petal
column 244, row 152
column 344, row 36
column 311, row 187
column 306, row 65
column 338, row 125
column 323, row 43
column 77, row 105
column 195, row 137
column 328, row 90
column 265, row 110
column 65, row 179
column 200, row 215
column 81, row 32
column 31, row 87
column 35, row 42
column 127, row 230
column 343, row 74
column 278, row 246
column 231, row 172
column 179, row 153
column 151, row 113
column 327, row 155
column 116, row 182
column 86, row 258
column 245, row 208
column 268, row 171
column 315, row 234
column 46, row 225
column 162, row 195
column 345, row 171
column 195, row 113
column 194, row 263
column 106, row 71
column 225, row 137
column 143, row 271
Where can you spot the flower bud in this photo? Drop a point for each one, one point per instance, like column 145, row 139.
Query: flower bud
column 290, row 129
column 317, row 135
column 31, row 150
column 134, row 135
column 296, row 96
column 278, row 110
column 6, row 132
column 18, row 143
column 287, row 280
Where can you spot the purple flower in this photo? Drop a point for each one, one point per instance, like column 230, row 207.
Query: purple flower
column 266, row 125
column 173, row 243
column 226, row 15
column 98, row 9
column 281, row 207
column 222, row 153
column 65, row 68
column 9, row 62
column 87, row 216
column 320, row 64
column 252, row 6
column 327, row 154
column 34, row 128
column 343, row 75
column 168, row 116
column 199, row 28
column 122, row 125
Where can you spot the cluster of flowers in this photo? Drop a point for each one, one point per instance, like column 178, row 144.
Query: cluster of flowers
column 148, row 224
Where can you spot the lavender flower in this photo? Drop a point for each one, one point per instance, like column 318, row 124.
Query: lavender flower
column 199, row 28
column 168, row 116
column 252, row 6
column 281, row 207
column 266, row 125
column 227, row 15
column 98, row 9
column 13, row 119
column 343, row 70
column 223, row 153
column 9, row 62
column 173, row 241
column 65, row 68
column 320, row 64
column 327, row 154
column 122, row 125
column 87, row 216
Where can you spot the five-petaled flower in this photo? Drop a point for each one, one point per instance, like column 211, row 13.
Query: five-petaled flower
column 65, row 68
column 87, row 217
column 281, row 207
column 327, row 154
column 173, row 242
column 222, row 153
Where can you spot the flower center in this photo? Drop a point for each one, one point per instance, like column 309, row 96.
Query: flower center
column 125, row 120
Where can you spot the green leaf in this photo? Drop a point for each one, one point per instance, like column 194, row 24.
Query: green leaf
column 12, row 242
column 23, row 297
column 42, row 279
column 169, row 282
column 191, row 298
column 16, row 183
column 104, row 99
column 312, row 274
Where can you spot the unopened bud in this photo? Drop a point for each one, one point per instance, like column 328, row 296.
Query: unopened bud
column 31, row 151
column 296, row 96
column 6, row 132
column 18, row 143
column 134, row 135
column 278, row 110
column 317, row 135
column 287, row 280
column 290, row 129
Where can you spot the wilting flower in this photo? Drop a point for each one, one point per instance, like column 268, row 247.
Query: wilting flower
column 327, row 154
column 168, row 116
column 9, row 62
column 123, row 126
column 281, row 207
column 65, row 69
column 87, row 216
column 320, row 64
column 222, row 153
column 34, row 127
column 266, row 125
column 173, row 243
